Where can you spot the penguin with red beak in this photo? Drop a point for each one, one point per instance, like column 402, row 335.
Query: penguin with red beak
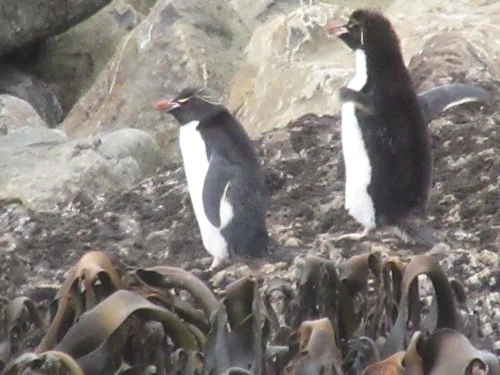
column 224, row 177
column 385, row 138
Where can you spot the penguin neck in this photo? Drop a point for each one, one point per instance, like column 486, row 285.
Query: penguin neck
column 385, row 57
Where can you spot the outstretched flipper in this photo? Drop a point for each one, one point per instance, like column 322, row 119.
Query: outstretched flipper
column 437, row 100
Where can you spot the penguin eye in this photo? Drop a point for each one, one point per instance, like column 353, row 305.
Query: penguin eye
column 183, row 100
column 352, row 23
column 353, row 26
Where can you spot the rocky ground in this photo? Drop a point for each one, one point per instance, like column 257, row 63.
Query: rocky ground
column 152, row 223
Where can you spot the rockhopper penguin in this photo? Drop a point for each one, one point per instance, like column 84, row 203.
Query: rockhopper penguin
column 385, row 138
column 224, row 177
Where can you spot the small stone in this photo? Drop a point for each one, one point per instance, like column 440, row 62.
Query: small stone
column 292, row 242
column 440, row 250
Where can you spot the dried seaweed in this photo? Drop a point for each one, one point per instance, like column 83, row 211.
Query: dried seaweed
column 361, row 316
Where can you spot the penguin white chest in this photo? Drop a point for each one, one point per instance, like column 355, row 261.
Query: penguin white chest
column 196, row 164
column 357, row 164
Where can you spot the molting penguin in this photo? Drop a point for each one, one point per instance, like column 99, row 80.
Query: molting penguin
column 385, row 138
column 224, row 177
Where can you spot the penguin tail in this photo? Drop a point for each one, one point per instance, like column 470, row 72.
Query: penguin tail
column 437, row 100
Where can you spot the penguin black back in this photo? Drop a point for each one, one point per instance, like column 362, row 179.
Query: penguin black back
column 224, row 176
column 246, row 233
column 396, row 136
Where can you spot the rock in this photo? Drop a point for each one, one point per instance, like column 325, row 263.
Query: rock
column 29, row 139
column 475, row 20
column 156, row 241
column 448, row 58
column 15, row 113
column 73, row 60
column 291, row 68
column 278, row 146
column 26, row 21
column 254, row 13
column 22, row 149
column 178, row 44
column 135, row 143
column 43, row 170
column 40, row 95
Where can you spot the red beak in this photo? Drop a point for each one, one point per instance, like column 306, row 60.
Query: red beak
column 165, row 105
column 336, row 30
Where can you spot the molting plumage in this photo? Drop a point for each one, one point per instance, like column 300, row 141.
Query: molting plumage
column 385, row 137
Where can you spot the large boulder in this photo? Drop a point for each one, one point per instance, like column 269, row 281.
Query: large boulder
column 475, row 21
column 292, row 68
column 41, row 96
column 256, row 12
column 24, row 141
column 72, row 60
column 179, row 43
column 446, row 58
column 28, row 21
column 16, row 113
column 41, row 168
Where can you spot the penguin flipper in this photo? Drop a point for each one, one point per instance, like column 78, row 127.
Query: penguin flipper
column 360, row 100
column 215, row 187
column 438, row 99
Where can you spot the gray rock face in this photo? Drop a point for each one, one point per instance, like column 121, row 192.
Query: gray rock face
column 26, row 21
column 133, row 143
column 15, row 113
column 40, row 95
column 42, row 169
column 475, row 20
column 73, row 60
column 257, row 12
column 291, row 68
column 178, row 44
column 447, row 58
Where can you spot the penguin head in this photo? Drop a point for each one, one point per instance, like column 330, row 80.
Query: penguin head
column 351, row 33
column 191, row 104
column 367, row 30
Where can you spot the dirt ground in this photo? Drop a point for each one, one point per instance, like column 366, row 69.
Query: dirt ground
column 152, row 223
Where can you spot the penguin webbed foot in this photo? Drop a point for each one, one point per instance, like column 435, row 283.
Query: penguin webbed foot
column 217, row 264
column 357, row 236
column 360, row 100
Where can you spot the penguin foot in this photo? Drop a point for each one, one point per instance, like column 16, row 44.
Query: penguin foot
column 217, row 263
column 354, row 236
